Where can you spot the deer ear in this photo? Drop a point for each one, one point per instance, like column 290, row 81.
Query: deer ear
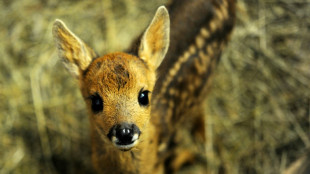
column 155, row 40
column 75, row 54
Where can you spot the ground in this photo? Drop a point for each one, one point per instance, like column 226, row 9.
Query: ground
column 257, row 113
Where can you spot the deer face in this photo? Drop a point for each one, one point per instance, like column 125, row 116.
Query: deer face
column 117, row 87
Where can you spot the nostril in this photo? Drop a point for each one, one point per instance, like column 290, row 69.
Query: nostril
column 123, row 132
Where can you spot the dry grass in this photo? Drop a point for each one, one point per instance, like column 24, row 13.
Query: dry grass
column 258, row 112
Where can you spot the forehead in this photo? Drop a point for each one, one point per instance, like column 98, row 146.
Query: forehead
column 115, row 72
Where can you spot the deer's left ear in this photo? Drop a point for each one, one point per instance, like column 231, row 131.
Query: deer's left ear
column 155, row 41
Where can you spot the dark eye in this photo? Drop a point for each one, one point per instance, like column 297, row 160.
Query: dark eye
column 143, row 97
column 96, row 103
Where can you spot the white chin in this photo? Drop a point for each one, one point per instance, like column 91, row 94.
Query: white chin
column 127, row 146
column 134, row 140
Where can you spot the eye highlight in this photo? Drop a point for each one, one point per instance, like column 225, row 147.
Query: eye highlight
column 143, row 97
column 96, row 103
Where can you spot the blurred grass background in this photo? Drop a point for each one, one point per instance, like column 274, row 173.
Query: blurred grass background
column 258, row 112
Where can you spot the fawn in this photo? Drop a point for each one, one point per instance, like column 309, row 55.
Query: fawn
column 145, row 105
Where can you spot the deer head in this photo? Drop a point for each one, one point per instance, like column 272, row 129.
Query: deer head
column 117, row 87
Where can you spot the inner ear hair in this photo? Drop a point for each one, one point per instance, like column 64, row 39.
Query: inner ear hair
column 75, row 54
column 155, row 41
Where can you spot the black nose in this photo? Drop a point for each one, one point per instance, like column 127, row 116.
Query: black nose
column 124, row 133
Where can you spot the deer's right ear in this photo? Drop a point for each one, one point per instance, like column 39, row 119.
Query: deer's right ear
column 75, row 54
